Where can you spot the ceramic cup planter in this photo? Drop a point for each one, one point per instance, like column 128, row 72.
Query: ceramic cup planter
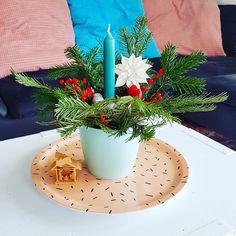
column 108, row 157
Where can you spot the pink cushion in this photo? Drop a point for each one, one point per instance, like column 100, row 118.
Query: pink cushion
column 189, row 24
column 33, row 34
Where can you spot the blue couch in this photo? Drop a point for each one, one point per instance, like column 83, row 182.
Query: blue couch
column 21, row 115
column 220, row 76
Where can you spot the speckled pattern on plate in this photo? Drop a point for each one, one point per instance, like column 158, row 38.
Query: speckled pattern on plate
column 159, row 173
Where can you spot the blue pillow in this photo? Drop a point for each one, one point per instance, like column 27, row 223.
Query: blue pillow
column 91, row 18
column 3, row 108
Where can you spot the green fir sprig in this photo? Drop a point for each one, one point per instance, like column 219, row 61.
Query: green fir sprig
column 176, row 77
column 124, row 114
column 81, row 65
column 137, row 41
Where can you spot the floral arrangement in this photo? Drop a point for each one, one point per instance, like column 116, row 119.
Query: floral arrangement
column 145, row 98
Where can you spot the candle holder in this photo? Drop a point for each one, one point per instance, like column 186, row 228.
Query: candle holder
column 107, row 157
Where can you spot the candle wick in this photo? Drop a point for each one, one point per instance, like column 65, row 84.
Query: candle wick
column 109, row 28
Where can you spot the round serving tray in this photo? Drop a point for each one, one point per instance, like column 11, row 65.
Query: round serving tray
column 159, row 173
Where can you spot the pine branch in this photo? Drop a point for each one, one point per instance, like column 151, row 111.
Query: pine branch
column 137, row 41
column 92, row 56
column 154, row 89
column 70, row 108
column 68, row 129
column 126, row 42
column 63, row 71
column 144, row 45
column 175, row 77
column 187, row 84
column 46, row 101
column 139, row 29
column 185, row 103
column 75, row 54
column 126, row 113
column 187, row 63
column 81, row 65
column 168, row 57
column 141, row 35
column 178, row 67
column 95, row 75
column 28, row 81
column 117, row 58
column 44, row 98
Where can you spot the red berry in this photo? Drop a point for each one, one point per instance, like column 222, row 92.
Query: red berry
column 83, row 98
column 76, row 88
column 106, row 122
column 84, row 80
column 159, row 96
column 144, row 89
column 161, row 72
column 151, row 81
column 89, row 92
column 102, row 118
column 134, row 91
column 61, row 81
column 84, row 93
column 69, row 81
column 153, row 100
column 75, row 81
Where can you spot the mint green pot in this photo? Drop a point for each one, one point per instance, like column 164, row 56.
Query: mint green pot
column 108, row 157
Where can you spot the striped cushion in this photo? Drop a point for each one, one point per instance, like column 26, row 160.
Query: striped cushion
column 33, row 34
column 189, row 24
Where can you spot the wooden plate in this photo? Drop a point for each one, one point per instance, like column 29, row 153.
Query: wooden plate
column 159, row 173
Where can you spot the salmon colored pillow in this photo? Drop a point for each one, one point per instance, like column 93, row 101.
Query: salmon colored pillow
column 33, row 34
column 189, row 24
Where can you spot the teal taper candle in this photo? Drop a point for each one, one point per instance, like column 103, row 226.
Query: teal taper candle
column 109, row 65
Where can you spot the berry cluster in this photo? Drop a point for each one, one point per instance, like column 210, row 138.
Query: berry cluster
column 134, row 91
column 159, row 74
column 79, row 87
column 103, row 119
column 157, row 98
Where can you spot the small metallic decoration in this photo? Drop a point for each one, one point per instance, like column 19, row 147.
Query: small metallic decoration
column 97, row 97
column 65, row 168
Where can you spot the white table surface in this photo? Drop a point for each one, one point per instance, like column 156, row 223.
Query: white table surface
column 206, row 206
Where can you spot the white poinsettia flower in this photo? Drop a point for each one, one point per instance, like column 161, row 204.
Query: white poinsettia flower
column 132, row 71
